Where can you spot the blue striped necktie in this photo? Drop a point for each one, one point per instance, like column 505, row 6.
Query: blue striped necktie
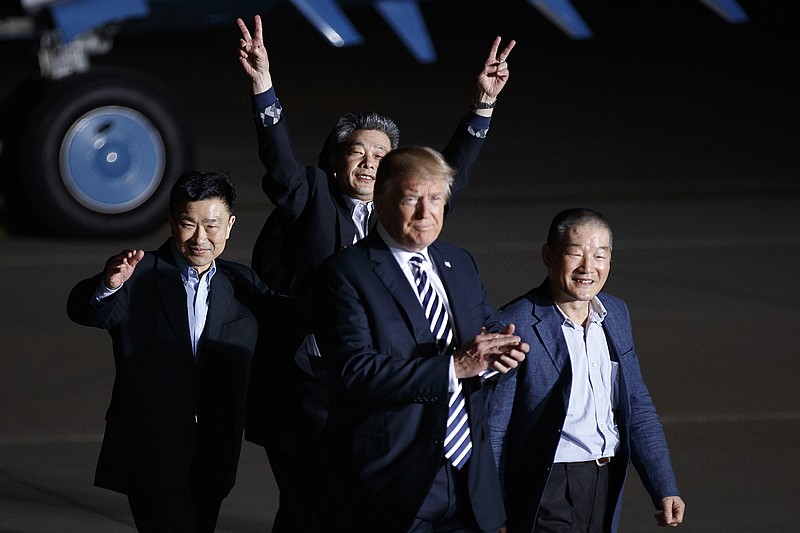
column 457, row 442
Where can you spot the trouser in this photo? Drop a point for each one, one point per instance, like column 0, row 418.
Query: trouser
column 183, row 514
column 446, row 508
column 574, row 499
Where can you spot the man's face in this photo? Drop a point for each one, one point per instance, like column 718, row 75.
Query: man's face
column 200, row 231
column 579, row 268
column 412, row 211
column 356, row 165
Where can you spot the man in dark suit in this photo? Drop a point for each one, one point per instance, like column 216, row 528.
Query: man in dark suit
column 402, row 332
column 577, row 412
column 319, row 210
column 184, row 326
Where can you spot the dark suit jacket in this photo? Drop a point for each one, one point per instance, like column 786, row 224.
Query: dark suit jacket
column 389, row 388
column 310, row 222
column 526, row 437
column 174, row 420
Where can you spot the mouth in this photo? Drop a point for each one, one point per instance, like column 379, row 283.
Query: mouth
column 367, row 177
column 584, row 282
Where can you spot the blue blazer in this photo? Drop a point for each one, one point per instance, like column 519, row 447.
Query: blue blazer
column 389, row 388
column 527, row 411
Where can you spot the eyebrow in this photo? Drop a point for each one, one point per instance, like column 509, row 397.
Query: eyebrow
column 573, row 245
column 361, row 144
column 187, row 218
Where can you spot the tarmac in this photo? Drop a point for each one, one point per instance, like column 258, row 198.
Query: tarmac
column 681, row 129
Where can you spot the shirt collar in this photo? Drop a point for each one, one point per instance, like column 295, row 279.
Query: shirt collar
column 352, row 203
column 187, row 272
column 597, row 312
column 400, row 254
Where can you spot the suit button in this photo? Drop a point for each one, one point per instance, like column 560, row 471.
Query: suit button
column 437, row 442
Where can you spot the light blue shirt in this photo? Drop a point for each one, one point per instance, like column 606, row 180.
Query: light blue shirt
column 197, row 291
column 589, row 431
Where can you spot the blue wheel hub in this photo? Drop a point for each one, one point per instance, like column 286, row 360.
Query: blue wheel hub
column 112, row 159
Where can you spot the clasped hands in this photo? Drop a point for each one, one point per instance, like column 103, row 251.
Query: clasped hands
column 489, row 351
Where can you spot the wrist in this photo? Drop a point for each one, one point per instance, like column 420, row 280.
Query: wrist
column 261, row 84
column 484, row 102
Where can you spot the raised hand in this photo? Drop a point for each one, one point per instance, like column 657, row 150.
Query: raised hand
column 120, row 267
column 253, row 55
column 494, row 75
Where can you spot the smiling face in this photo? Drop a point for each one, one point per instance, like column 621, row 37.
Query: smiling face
column 578, row 268
column 200, row 231
column 356, row 165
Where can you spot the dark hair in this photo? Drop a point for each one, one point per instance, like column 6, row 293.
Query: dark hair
column 195, row 186
column 420, row 160
column 568, row 219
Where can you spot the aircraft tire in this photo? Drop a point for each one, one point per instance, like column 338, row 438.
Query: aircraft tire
column 99, row 153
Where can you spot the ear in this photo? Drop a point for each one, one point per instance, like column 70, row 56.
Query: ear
column 231, row 220
column 547, row 255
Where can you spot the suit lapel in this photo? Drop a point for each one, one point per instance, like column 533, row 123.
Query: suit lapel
column 548, row 329
column 344, row 220
column 451, row 278
column 219, row 299
column 173, row 298
column 392, row 277
column 613, row 330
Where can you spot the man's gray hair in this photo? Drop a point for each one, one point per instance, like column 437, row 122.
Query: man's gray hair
column 365, row 120
column 568, row 219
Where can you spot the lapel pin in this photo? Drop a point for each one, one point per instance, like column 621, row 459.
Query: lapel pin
column 447, row 264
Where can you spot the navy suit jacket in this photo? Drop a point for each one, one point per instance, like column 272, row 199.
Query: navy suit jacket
column 310, row 222
column 389, row 387
column 527, row 411
column 175, row 420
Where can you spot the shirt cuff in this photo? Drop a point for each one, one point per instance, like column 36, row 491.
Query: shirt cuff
column 102, row 292
column 265, row 99
column 452, row 380
column 477, row 125
column 268, row 107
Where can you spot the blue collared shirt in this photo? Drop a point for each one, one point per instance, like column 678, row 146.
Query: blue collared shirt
column 589, row 431
column 197, row 291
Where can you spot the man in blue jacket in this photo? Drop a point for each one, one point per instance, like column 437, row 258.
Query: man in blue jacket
column 565, row 428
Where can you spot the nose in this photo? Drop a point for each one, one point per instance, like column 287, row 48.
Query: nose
column 588, row 263
column 199, row 234
column 423, row 207
column 369, row 161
